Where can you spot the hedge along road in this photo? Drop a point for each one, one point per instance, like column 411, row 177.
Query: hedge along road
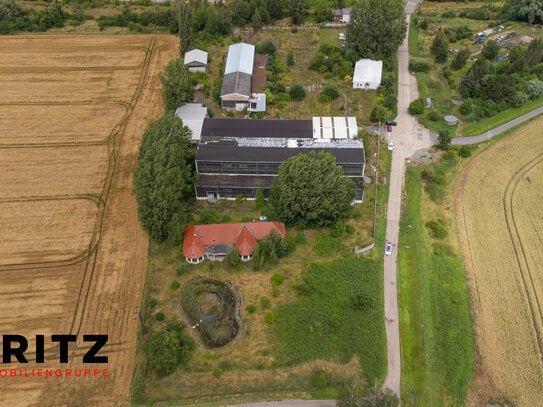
column 460, row 141
column 409, row 137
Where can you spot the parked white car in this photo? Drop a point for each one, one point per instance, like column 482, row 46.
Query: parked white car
column 388, row 249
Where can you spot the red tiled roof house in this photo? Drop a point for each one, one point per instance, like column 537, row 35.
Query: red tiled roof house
column 214, row 242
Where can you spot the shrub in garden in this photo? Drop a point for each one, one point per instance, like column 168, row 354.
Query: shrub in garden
column 460, row 59
column 297, row 93
column 168, row 348
column 434, row 116
column 265, row 47
column 464, row 151
column 419, row 66
column 465, row 108
column 438, row 229
column 319, row 379
column 175, row 285
column 277, row 279
column 181, row 268
column 378, row 114
column 443, row 139
column 416, row 107
column 216, row 372
column 251, row 309
column 232, row 258
column 328, row 94
column 390, row 102
column 159, row 316
column 534, row 88
column 265, row 303
column 269, row 318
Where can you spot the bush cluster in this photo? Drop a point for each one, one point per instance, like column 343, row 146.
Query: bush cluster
column 269, row 250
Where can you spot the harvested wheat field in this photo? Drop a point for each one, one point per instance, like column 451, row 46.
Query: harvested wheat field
column 498, row 205
column 72, row 253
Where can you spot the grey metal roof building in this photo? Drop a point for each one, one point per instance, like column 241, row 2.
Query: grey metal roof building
column 236, row 85
column 220, row 128
column 238, row 157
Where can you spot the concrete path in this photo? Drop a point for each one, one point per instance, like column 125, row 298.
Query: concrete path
column 408, row 137
column 289, row 403
column 460, row 141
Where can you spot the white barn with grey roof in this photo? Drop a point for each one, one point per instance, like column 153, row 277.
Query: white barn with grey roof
column 367, row 74
column 237, row 80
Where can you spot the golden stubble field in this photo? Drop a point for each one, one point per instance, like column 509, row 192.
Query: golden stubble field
column 498, row 204
column 72, row 253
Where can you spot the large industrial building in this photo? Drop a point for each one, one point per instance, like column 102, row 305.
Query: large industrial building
column 236, row 157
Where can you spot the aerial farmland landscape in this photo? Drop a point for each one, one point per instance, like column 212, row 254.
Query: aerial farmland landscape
column 271, row 203
column 73, row 254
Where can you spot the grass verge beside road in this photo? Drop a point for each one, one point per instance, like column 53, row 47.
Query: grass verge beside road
column 437, row 333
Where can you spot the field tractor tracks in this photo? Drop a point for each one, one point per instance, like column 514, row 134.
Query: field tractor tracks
column 112, row 145
column 526, row 272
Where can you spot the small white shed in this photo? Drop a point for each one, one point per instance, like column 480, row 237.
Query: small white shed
column 367, row 74
column 196, row 60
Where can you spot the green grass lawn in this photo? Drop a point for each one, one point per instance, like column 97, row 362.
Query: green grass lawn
column 435, row 323
column 337, row 313
column 330, row 36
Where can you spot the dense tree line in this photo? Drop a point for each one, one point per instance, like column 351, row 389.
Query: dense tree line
column 15, row 18
column 160, row 17
column 164, row 178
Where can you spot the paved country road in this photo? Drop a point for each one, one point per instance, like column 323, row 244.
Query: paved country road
column 498, row 130
column 409, row 137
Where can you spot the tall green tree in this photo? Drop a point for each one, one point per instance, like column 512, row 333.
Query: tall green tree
column 164, row 178
column 490, row 50
column 185, row 27
column 297, row 11
column 440, row 47
column 275, row 9
column 471, row 81
column 377, row 28
column 177, row 84
column 311, row 191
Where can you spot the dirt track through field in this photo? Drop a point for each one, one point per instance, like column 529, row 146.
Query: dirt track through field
column 73, row 252
column 498, row 204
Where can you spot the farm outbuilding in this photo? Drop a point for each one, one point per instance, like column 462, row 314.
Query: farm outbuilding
column 193, row 115
column 196, row 60
column 367, row 74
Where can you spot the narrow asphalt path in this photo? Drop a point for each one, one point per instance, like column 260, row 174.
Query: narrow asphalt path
column 409, row 137
column 460, row 141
